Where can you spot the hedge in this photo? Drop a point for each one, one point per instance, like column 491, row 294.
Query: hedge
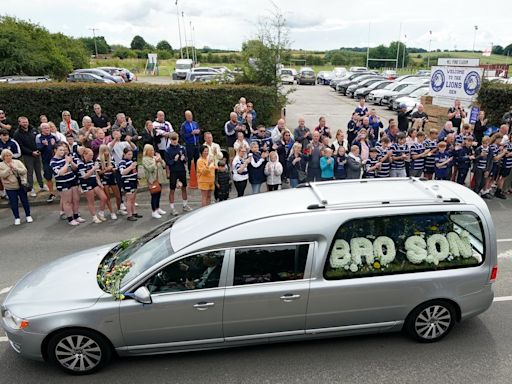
column 495, row 99
column 210, row 103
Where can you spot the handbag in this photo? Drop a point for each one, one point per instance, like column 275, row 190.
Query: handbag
column 302, row 175
column 22, row 185
column 154, row 187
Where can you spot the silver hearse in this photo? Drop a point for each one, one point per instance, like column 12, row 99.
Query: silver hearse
column 323, row 260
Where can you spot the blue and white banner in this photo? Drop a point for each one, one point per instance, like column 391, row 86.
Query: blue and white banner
column 455, row 82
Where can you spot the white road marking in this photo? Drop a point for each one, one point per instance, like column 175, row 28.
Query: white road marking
column 503, row 298
column 5, row 290
column 505, row 255
column 504, row 240
column 3, row 339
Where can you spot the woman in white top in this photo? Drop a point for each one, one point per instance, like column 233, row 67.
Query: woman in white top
column 240, row 142
column 53, row 130
column 240, row 172
column 68, row 125
column 273, row 170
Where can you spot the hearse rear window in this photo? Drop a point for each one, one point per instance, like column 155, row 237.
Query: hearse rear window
column 405, row 243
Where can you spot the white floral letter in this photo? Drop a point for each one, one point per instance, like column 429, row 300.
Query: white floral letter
column 378, row 251
column 361, row 246
column 434, row 255
column 340, row 255
column 460, row 246
column 416, row 249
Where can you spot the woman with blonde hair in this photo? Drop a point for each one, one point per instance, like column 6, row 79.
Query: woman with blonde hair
column 13, row 176
column 68, row 125
column 107, row 173
column 153, row 166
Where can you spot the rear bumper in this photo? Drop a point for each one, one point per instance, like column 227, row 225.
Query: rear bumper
column 475, row 303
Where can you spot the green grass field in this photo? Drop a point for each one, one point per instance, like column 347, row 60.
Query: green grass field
column 493, row 59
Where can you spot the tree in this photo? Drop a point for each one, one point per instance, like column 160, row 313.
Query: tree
column 101, row 43
column 164, row 45
column 138, row 43
column 507, row 51
column 497, row 50
column 29, row 49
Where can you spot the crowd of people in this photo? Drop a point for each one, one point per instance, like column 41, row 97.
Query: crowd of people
column 101, row 158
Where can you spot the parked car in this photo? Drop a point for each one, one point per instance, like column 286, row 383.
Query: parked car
column 411, row 100
column 192, row 75
column 238, row 281
column 77, row 77
column 351, row 89
column 222, row 69
column 126, row 74
column 101, row 73
column 389, row 98
column 423, row 73
column 324, row 77
column 390, row 74
column 343, row 85
column 286, row 75
column 377, row 95
column 365, row 91
column 339, row 71
column 358, row 69
column 306, row 76
column 337, row 79
column 183, row 67
column 24, row 79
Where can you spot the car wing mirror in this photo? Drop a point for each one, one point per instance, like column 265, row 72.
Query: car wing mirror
column 142, row 295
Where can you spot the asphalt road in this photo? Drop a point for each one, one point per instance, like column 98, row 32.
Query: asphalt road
column 477, row 351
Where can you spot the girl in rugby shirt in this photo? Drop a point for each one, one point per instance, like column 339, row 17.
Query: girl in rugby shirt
column 495, row 150
column 65, row 178
column 91, row 185
column 106, row 171
column 128, row 171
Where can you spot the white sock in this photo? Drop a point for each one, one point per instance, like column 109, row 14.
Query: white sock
column 185, row 202
column 172, row 205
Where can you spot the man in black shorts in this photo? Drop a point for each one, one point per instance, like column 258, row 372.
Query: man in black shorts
column 176, row 159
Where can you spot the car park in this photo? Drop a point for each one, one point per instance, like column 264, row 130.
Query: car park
column 101, row 73
column 286, row 75
column 361, row 84
column 389, row 98
column 337, row 79
column 390, row 74
column 343, row 86
column 237, row 281
column 358, row 69
column 77, row 77
column 324, row 77
column 423, row 73
column 365, row 91
column 306, row 76
column 377, row 95
column 411, row 100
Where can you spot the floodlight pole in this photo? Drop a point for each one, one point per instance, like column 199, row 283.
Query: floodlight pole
column 94, row 37
column 398, row 47
column 185, row 33
column 179, row 28
column 474, row 37
column 429, row 45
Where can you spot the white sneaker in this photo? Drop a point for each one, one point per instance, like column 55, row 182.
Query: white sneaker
column 63, row 216
column 95, row 220
column 156, row 215
column 80, row 220
column 122, row 212
column 174, row 212
column 74, row 223
column 161, row 211
column 187, row 208
column 101, row 216
column 122, row 207
column 136, row 204
column 29, row 219
column 113, row 216
column 33, row 193
column 17, row 221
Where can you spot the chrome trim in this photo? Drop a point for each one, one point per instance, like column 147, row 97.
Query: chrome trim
column 169, row 345
column 264, row 335
column 356, row 327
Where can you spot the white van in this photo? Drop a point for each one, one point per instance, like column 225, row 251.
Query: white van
column 183, row 66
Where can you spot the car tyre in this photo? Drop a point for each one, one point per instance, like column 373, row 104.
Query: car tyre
column 431, row 321
column 79, row 351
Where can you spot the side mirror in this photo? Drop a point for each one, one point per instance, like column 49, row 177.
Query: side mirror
column 142, row 295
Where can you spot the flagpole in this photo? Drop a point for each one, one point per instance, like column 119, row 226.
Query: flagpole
column 179, row 28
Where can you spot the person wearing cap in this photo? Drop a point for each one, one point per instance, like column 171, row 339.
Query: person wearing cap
column 6, row 124
column 403, row 118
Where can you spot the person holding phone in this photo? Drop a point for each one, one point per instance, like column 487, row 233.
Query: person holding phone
column 456, row 114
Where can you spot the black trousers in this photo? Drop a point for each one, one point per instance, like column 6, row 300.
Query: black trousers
column 192, row 153
column 33, row 164
column 240, row 187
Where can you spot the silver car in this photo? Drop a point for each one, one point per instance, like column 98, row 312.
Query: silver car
column 323, row 260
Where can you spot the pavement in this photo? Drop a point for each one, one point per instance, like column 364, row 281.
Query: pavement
column 477, row 351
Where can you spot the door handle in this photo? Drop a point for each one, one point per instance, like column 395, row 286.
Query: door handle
column 288, row 298
column 203, row 306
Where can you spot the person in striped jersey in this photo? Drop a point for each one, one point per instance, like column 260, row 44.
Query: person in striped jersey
column 128, row 171
column 483, row 163
column 91, row 185
column 495, row 149
column 372, row 165
column 505, row 167
column 418, row 155
column 464, row 156
column 385, row 154
column 464, row 132
column 400, row 156
column 443, row 162
column 66, row 181
column 107, row 171
column 430, row 159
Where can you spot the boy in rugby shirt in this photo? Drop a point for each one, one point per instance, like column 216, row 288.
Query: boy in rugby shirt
column 495, row 149
column 464, row 157
column 482, row 165
column 384, row 156
column 443, row 162
column 128, row 171
column 418, row 154
column 504, row 172
column 430, row 159
column 372, row 165
column 400, row 155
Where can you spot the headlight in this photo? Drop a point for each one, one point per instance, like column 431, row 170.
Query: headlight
column 14, row 321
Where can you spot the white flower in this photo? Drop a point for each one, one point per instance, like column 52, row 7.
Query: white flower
column 416, row 249
column 432, row 243
column 460, row 246
column 353, row 268
column 378, row 251
column 360, row 247
column 340, row 255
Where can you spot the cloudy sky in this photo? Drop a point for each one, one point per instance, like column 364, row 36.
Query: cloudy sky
column 314, row 24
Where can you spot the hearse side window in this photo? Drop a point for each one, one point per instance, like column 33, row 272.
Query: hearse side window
column 405, row 243
column 270, row 264
column 193, row 272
